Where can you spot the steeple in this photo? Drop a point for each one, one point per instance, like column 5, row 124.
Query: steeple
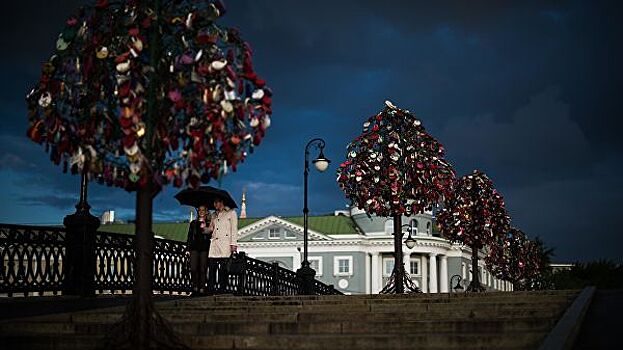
column 243, row 205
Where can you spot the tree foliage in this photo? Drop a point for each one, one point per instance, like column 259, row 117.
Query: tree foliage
column 395, row 167
column 604, row 274
column 475, row 215
column 139, row 91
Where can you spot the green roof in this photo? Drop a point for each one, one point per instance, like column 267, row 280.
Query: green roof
column 176, row 231
column 327, row 224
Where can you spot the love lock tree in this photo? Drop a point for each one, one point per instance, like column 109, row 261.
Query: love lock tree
column 141, row 94
column 475, row 216
column 538, row 270
column 395, row 168
column 507, row 258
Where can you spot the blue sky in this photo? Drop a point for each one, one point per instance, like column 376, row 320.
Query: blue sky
column 526, row 91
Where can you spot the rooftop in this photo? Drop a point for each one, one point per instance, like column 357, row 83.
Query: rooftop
column 177, row 231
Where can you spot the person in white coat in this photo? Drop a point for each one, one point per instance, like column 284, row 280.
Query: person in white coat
column 224, row 242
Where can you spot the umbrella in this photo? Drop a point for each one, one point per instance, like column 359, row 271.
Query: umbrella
column 204, row 195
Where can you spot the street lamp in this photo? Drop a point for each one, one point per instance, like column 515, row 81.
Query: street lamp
column 458, row 285
column 321, row 163
column 399, row 281
column 410, row 241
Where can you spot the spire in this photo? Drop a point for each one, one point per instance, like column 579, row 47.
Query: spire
column 243, row 205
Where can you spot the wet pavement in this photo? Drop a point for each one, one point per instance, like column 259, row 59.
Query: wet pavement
column 602, row 325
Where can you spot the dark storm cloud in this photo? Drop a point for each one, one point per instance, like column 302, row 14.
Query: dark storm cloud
column 538, row 143
column 526, row 91
column 56, row 201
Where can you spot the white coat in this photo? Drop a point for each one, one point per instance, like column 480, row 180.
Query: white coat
column 224, row 233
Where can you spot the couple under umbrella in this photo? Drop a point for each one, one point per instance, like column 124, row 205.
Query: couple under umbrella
column 210, row 236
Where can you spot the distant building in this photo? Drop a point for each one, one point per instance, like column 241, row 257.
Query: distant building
column 350, row 250
column 243, row 205
column 560, row 267
column 354, row 252
column 108, row 217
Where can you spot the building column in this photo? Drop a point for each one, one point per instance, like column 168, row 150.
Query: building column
column 433, row 272
column 376, row 274
column 424, row 268
column 406, row 260
column 367, row 270
column 443, row 271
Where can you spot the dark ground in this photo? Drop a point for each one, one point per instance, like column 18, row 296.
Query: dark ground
column 601, row 328
column 602, row 325
column 24, row 307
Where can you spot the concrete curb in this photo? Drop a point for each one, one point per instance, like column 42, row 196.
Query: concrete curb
column 567, row 328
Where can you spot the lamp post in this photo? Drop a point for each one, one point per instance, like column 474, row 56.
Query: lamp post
column 458, row 285
column 321, row 163
column 410, row 241
column 399, row 281
column 79, row 263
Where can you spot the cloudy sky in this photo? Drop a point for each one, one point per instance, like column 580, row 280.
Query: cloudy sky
column 525, row 91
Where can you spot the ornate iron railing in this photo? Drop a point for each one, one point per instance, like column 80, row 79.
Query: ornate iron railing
column 32, row 259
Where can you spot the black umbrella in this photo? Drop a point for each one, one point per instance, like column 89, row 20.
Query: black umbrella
column 204, row 196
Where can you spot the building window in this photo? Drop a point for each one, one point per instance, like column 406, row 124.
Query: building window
column 290, row 235
column 274, row 233
column 415, row 227
column 428, row 228
column 343, row 266
column 315, row 262
column 388, row 266
column 389, row 226
column 415, row 266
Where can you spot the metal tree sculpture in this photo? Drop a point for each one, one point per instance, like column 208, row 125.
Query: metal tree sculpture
column 139, row 94
column 538, row 265
column 474, row 216
column 395, row 168
column 507, row 258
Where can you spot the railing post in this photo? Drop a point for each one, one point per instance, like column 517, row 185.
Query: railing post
column 79, row 263
column 306, row 276
column 275, row 282
column 242, row 277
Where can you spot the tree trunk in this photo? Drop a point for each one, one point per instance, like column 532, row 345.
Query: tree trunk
column 143, row 275
column 474, row 284
column 142, row 327
column 398, row 267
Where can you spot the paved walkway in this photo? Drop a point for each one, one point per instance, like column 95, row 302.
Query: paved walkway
column 602, row 325
column 33, row 306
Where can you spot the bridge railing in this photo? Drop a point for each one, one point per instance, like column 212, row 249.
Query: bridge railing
column 32, row 264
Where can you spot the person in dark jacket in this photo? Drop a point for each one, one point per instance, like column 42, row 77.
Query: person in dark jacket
column 198, row 246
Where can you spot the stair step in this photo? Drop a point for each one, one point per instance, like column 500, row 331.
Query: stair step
column 432, row 341
column 332, row 327
column 311, row 315
column 443, row 321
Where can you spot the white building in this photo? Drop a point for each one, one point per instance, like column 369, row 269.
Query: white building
column 355, row 252
column 108, row 217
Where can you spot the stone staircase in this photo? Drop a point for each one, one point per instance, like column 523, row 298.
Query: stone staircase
column 515, row 320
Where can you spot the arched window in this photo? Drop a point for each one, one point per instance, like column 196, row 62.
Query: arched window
column 415, row 226
column 428, row 228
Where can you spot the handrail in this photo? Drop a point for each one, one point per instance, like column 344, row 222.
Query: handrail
column 32, row 264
